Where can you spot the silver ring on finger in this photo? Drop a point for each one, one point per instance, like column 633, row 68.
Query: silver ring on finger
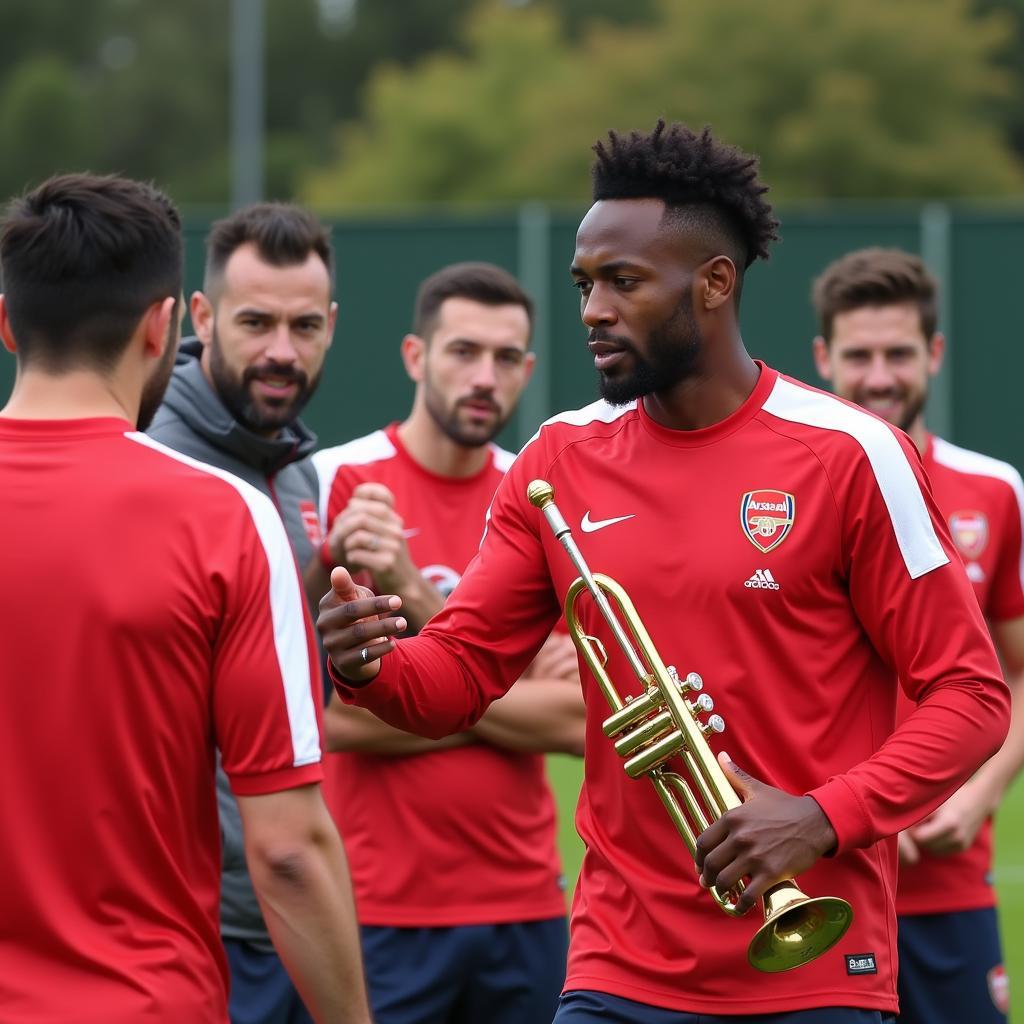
column 365, row 654
column 375, row 542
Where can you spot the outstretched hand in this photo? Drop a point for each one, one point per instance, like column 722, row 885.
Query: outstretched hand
column 357, row 626
column 772, row 836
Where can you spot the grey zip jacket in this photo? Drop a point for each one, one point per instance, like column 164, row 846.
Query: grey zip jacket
column 193, row 420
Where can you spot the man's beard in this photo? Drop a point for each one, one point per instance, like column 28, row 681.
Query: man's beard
column 155, row 386
column 673, row 353
column 454, row 428
column 235, row 394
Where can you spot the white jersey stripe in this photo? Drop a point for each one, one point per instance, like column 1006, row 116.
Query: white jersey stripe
column 975, row 464
column 286, row 604
column 918, row 543
column 373, row 447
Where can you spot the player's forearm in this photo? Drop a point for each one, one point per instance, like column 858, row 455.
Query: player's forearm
column 356, row 730
column 305, row 893
column 536, row 716
column 994, row 777
column 954, row 730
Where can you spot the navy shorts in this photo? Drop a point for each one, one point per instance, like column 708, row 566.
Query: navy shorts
column 598, row 1007
column 261, row 991
column 501, row 973
column 951, row 969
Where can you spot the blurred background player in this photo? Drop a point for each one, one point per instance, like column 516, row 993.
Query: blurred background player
column 458, row 885
column 172, row 623
column 870, row 595
column 264, row 322
column 879, row 347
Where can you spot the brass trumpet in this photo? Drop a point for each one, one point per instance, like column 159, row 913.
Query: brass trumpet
column 662, row 723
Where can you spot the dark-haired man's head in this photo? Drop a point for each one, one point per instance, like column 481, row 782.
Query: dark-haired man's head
column 265, row 315
column 677, row 218
column 87, row 261
column 878, row 342
column 468, row 352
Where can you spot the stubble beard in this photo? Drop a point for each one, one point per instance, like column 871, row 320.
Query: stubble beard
column 674, row 352
column 234, row 392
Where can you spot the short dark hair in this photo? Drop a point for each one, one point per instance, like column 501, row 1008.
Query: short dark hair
column 711, row 187
column 480, row 282
column 82, row 258
column 875, row 277
column 284, row 234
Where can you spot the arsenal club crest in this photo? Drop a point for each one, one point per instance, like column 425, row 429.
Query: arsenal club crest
column 970, row 533
column 767, row 517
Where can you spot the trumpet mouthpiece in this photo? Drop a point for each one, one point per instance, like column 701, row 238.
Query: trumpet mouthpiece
column 540, row 493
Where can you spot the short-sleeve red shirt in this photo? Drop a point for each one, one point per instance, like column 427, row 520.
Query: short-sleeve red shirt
column 452, row 837
column 982, row 500
column 152, row 614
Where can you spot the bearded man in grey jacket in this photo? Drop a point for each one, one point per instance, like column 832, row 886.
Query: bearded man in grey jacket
column 264, row 321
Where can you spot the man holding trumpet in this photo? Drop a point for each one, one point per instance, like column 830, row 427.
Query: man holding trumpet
column 836, row 579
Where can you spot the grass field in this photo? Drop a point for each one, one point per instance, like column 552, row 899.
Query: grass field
column 566, row 772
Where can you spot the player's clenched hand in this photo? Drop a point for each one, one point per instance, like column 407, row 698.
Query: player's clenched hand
column 952, row 827
column 369, row 534
column 352, row 620
column 772, row 836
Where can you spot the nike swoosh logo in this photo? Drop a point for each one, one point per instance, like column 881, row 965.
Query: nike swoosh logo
column 588, row 525
column 410, row 533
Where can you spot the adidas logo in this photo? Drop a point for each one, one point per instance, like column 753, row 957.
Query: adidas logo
column 762, row 580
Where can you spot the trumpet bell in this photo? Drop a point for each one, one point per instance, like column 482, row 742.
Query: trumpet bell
column 797, row 929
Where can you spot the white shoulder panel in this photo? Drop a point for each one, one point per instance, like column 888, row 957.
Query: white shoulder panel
column 918, row 543
column 286, row 604
column 975, row 464
column 373, row 447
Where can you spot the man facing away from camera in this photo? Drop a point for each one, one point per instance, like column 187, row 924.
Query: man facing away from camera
column 172, row 624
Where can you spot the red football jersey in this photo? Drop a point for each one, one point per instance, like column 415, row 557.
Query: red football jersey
column 152, row 614
column 452, row 837
column 791, row 555
column 983, row 502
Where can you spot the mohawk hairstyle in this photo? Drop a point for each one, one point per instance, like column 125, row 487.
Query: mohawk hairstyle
column 688, row 170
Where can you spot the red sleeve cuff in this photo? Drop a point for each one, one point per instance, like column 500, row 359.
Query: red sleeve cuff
column 846, row 814
column 345, row 688
column 273, row 782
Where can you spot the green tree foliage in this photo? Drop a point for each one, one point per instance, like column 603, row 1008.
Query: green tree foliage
column 875, row 99
column 142, row 87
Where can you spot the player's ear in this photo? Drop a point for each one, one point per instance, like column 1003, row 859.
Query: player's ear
column 414, row 355
column 822, row 362
column 716, row 282
column 156, row 323
column 332, row 319
column 6, row 334
column 936, row 353
column 529, row 362
column 202, row 317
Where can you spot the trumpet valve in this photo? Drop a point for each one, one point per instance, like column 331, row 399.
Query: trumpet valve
column 715, row 724
column 701, row 705
column 691, row 682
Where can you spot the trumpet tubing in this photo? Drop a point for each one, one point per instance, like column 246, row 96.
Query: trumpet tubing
column 663, row 722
